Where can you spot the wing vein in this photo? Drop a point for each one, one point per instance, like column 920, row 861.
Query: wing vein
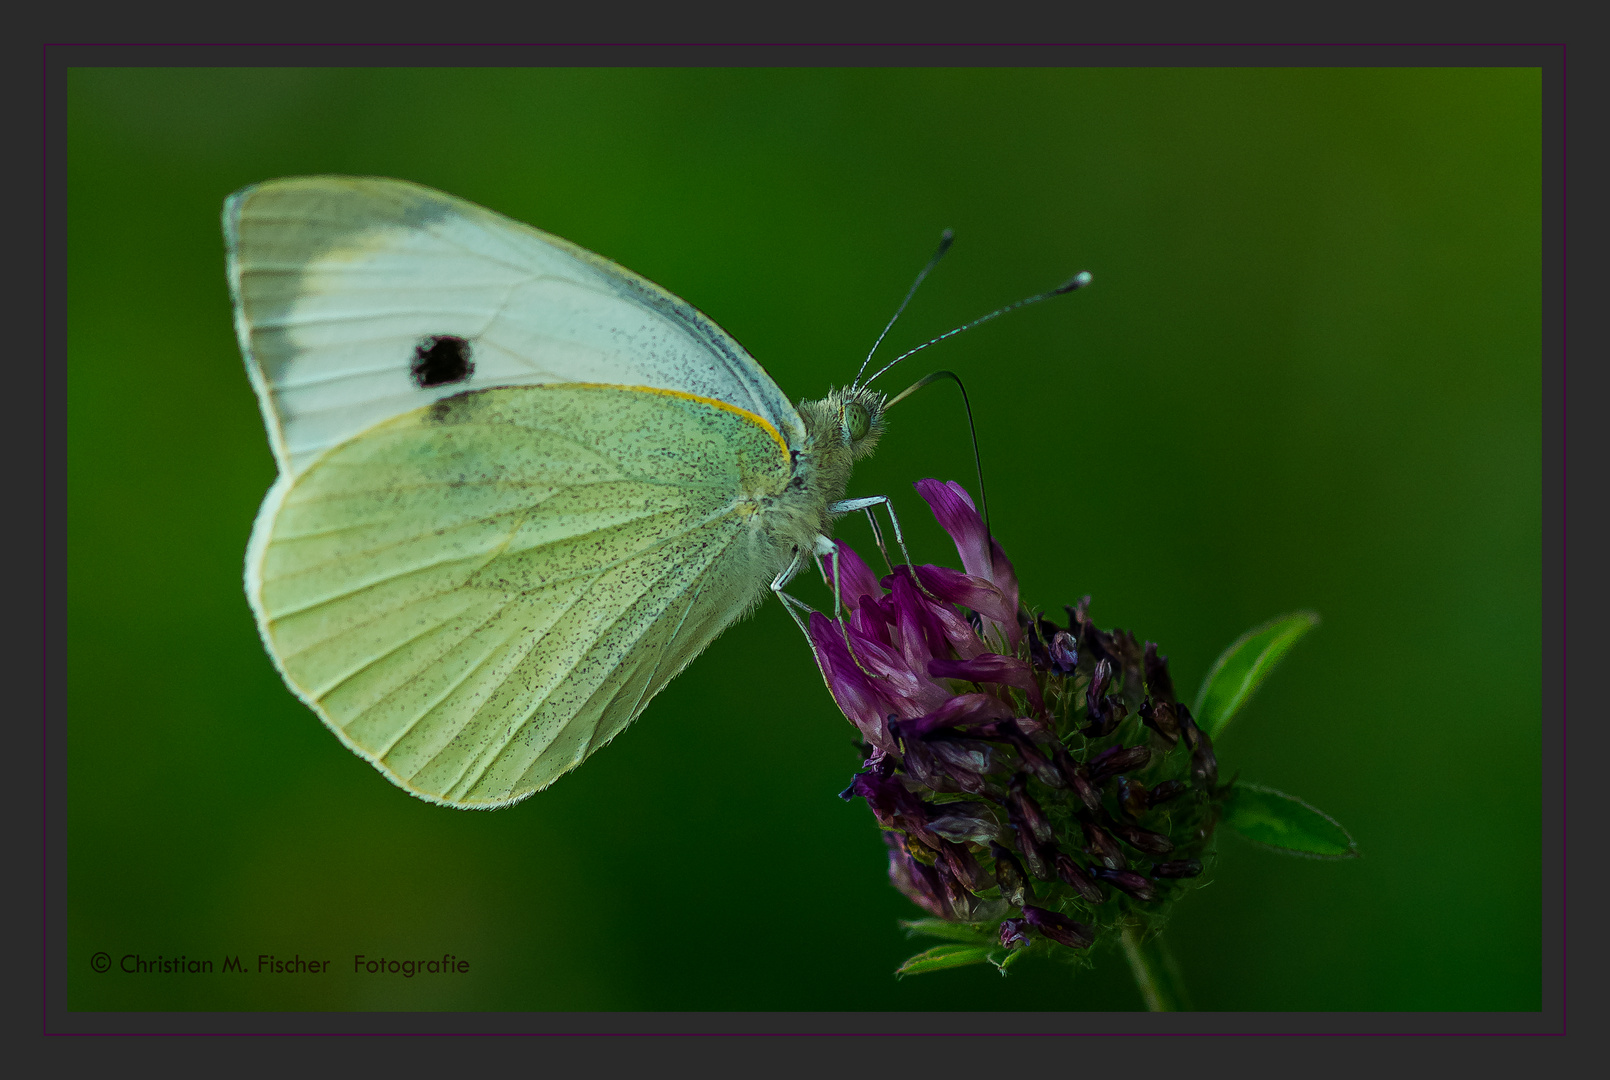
column 436, row 702
column 536, row 704
column 482, row 763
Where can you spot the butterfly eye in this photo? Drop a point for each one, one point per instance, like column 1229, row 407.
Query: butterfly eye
column 857, row 421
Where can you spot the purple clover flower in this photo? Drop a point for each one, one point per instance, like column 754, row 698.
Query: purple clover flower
column 1014, row 764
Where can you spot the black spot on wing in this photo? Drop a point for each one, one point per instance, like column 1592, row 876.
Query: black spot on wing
column 441, row 360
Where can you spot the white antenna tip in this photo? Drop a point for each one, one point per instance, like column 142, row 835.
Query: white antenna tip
column 1078, row 281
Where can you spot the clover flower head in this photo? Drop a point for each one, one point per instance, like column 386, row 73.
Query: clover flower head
column 1037, row 781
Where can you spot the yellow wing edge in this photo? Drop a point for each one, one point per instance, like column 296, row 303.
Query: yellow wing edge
column 725, row 406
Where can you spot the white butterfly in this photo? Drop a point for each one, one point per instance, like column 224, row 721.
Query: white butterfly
column 520, row 487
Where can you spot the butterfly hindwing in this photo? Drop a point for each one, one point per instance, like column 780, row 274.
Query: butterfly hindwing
column 477, row 594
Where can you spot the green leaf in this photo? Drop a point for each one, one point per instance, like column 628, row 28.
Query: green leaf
column 1285, row 823
column 941, row 957
column 1243, row 666
column 971, row 933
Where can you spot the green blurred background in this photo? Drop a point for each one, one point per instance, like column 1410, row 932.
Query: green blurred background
column 1307, row 375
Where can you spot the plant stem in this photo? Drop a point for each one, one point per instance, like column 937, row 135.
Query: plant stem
column 1156, row 973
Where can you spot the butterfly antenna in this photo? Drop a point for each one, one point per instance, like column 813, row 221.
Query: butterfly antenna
column 972, row 430
column 945, row 239
column 1078, row 281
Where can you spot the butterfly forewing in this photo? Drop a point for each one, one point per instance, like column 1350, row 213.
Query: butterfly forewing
column 477, row 594
column 342, row 283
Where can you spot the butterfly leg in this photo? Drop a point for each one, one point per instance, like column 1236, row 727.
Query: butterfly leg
column 790, row 604
column 846, row 506
column 823, row 546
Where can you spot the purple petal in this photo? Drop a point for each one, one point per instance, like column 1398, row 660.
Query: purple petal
column 856, row 579
column 1004, row 576
column 1129, row 881
column 928, row 771
column 909, row 693
column 1030, row 755
column 1142, row 839
column 957, row 515
column 857, row 698
column 920, row 883
column 874, row 619
column 992, row 668
column 963, row 755
column 963, row 821
column 893, row 805
column 942, row 624
column 1029, row 810
column 1161, row 718
column 1069, row 871
column 1099, row 843
column 962, row 903
column 969, row 591
column 919, row 635
column 981, row 555
column 961, row 863
column 957, row 631
column 884, row 794
column 1059, row 928
column 1064, row 653
column 1014, row 932
column 959, row 711
column 1118, row 759
column 989, row 667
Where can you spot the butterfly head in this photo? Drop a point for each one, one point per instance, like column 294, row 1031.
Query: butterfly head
column 858, row 415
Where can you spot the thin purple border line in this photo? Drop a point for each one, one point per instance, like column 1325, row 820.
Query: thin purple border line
column 924, row 45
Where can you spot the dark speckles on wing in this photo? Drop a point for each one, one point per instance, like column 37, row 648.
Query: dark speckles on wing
column 460, row 408
column 479, row 593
